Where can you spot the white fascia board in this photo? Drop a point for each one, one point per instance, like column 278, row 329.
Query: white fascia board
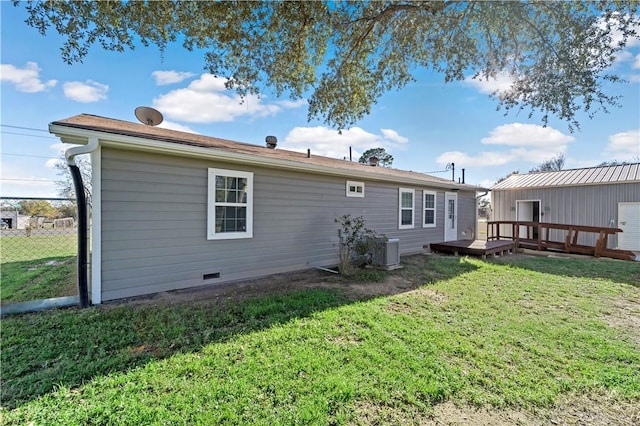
column 80, row 136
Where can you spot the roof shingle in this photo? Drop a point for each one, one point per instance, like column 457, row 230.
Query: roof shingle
column 126, row 128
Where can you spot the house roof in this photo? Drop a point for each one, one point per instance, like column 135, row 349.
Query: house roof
column 626, row 173
column 79, row 128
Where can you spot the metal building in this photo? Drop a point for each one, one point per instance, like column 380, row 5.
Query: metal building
column 606, row 196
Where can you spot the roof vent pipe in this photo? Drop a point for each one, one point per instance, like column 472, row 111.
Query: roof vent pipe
column 373, row 161
column 271, row 141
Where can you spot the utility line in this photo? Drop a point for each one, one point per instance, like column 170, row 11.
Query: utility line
column 26, row 134
column 29, row 180
column 25, row 155
column 25, row 128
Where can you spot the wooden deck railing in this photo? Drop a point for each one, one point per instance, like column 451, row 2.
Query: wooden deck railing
column 537, row 236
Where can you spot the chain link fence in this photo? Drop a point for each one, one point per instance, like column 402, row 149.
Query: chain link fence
column 38, row 248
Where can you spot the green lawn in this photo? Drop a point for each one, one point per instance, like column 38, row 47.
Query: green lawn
column 22, row 248
column 38, row 279
column 37, row 267
column 515, row 332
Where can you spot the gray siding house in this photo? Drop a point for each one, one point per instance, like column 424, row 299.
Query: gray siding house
column 174, row 210
column 595, row 196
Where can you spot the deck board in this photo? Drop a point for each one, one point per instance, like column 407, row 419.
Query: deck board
column 473, row 247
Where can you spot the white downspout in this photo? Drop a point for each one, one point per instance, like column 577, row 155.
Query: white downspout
column 92, row 147
column 74, row 151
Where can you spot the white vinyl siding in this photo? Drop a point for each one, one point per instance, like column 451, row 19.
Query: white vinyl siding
column 406, row 206
column 429, row 209
column 230, row 206
column 355, row 189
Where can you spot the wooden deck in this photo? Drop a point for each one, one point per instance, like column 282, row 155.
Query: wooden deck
column 473, row 247
column 537, row 236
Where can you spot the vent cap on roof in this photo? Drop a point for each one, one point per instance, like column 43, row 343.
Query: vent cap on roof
column 271, row 141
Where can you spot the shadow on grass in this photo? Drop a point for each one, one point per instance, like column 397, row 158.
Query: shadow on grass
column 23, row 281
column 69, row 347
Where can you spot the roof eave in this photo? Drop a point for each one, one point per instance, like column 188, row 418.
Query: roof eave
column 78, row 135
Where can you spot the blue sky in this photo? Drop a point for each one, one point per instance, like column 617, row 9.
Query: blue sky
column 424, row 126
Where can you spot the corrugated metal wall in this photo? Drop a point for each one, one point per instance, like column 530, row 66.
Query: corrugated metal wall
column 595, row 205
column 154, row 223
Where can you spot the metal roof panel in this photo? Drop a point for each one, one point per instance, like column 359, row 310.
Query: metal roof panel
column 573, row 177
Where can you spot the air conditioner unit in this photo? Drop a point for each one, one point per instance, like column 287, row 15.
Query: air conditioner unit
column 386, row 253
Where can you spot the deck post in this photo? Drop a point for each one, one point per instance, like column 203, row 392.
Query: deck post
column 539, row 237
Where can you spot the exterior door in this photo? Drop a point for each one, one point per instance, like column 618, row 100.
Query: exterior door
column 528, row 211
column 629, row 222
column 451, row 216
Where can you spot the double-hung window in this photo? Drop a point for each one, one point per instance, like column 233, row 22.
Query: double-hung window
column 230, row 204
column 429, row 217
column 406, row 203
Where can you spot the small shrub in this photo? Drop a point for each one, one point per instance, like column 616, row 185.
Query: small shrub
column 356, row 243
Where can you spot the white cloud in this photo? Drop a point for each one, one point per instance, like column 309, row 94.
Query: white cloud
column 331, row 143
column 59, row 147
column 636, row 62
column 392, row 135
column 170, row 77
column 502, row 83
column 528, row 143
column 289, row 104
column 482, row 159
column 53, row 163
column 624, row 146
column 89, row 91
column 206, row 100
column 616, row 34
column 19, row 181
column 25, row 79
column 519, row 134
column 175, row 126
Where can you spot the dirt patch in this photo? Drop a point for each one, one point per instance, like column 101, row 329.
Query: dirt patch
column 624, row 314
column 435, row 297
column 276, row 284
column 570, row 410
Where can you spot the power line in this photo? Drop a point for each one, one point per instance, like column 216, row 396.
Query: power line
column 24, row 128
column 25, row 155
column 26, row 134
column 29, row 180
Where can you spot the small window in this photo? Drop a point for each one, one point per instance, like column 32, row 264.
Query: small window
column 429, row 217
column 406, row 205
column 230, row 207
column 355, row 189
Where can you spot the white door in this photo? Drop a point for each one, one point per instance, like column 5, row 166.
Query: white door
column 451, row 216
column 527, row 211
column 629, row 222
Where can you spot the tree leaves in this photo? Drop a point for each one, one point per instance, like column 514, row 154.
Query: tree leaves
column 343, row 56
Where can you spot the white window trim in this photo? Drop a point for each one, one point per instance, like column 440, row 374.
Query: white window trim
column 356, row 184
column 413, row 208
column 424, row 209
column 211, row 205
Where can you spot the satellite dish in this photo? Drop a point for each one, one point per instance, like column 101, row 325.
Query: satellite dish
column 148, row 116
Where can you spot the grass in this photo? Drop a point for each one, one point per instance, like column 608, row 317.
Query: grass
column 22, row 248
column 517, row 333
column 38, row 279
column 37, row 267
